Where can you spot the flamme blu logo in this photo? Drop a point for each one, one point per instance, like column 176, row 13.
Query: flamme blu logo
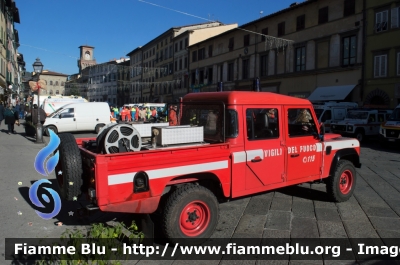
column 40, row 167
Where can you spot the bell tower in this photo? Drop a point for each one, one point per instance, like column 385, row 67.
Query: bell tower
column 86, row 57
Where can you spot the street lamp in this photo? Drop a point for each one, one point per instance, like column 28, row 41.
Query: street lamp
column 37, row 68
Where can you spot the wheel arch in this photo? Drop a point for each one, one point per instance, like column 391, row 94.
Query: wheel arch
column 207, row 179
column 348, row 154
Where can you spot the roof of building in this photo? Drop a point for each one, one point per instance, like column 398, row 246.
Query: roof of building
column 244, row 97
column 47, row 72
column 172, row 29
column 291, row 7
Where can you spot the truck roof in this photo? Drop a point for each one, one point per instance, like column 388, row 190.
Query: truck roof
column 244, row 97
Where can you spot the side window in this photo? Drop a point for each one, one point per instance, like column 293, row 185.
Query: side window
column 262, row 124
column 231, row 123
column 327, row 116
column 371, row 118
column 301, row 123
column 67, row 113
column 381, row 117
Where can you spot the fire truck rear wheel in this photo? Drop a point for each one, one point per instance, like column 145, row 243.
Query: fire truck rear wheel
column 69, row 168
column 341, row 185
column 192, row 211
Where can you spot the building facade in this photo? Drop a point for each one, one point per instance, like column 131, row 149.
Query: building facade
column 317, row 43
column 155, row 77
column 55, row 83
column 382, row 54
column 11, row 65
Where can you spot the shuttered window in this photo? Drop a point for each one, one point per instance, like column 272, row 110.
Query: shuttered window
column 380, row 65
column 381, row 23
column 398, row 63
column 394, row 22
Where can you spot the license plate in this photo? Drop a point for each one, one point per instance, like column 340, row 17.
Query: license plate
column 391, row 140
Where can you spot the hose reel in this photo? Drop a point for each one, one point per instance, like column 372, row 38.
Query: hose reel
column 119, row 138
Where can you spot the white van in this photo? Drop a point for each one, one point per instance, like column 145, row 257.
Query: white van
column 52, row 104
column 88, row 116
column 332, row 112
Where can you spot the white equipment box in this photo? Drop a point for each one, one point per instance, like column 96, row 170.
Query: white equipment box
column 144, row 129
column 179, row 135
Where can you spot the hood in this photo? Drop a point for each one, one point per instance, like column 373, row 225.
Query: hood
column 329, row 136
column 392, row 124
column 353, row 121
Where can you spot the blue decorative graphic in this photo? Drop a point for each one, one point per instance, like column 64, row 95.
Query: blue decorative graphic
column 40, row 167
column 45, row 152
column 35, row 200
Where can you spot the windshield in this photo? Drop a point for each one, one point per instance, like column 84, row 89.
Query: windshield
column 395, row 115
column 359, row 115
column 56, row 111
column 318, row 112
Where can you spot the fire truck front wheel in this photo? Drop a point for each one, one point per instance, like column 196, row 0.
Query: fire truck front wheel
column 69, row 168
column 340, row 186
column 192, row 211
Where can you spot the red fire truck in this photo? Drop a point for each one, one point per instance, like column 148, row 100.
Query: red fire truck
column 227, row 145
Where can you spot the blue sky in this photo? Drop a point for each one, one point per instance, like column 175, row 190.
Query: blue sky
column 54, row 29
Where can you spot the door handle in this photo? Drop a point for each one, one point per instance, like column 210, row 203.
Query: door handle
column 74, row 119
column 97, row 119
column 256, row 159
column 294, row 155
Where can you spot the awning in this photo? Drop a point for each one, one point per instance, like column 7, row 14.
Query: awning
column 329, row 93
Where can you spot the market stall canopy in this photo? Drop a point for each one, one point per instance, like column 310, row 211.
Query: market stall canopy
column 331, row 93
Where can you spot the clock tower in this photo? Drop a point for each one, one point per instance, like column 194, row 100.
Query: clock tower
column 86, row 57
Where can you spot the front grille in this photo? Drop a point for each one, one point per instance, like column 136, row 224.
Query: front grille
column 392, row 133
column 338, row 127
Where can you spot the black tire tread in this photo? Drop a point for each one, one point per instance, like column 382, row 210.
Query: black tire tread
column 99, row 127
column 72, row 170
column 176, row 196
column 332, row 185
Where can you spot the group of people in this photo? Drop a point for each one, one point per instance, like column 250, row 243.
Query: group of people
column 13, row 114
column 10, row 114
column 134, row 113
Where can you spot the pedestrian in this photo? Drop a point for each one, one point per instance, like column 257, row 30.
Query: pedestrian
column 137, row 113
column 142, row 114
column 21, row 110
column 133, row 113
column 173, row 120
column 11, row 117
column 2, row 109
column 43, row 115
column 129, row 114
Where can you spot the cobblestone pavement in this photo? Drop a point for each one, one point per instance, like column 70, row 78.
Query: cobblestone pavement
column 302, row 211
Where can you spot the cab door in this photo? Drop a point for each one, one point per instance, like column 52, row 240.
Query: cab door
column 303, row 148
column 65, row 120
column 264, row 152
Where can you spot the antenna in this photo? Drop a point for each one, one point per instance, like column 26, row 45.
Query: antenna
column 261, row 12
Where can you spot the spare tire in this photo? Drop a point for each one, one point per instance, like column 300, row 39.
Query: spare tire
column 69, row 168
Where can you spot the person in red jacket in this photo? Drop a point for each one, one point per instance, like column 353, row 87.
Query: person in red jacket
column 172, row 118
column 129, row 114
column 137, row 113
column 124, row 113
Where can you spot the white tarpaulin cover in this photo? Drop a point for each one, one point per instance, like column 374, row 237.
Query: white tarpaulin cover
column 329, row 93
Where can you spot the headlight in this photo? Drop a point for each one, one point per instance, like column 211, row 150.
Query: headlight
column 350, row 128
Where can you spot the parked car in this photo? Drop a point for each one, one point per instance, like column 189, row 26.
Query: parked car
column 390, row 130
column 88, row 116
column 361, row 123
